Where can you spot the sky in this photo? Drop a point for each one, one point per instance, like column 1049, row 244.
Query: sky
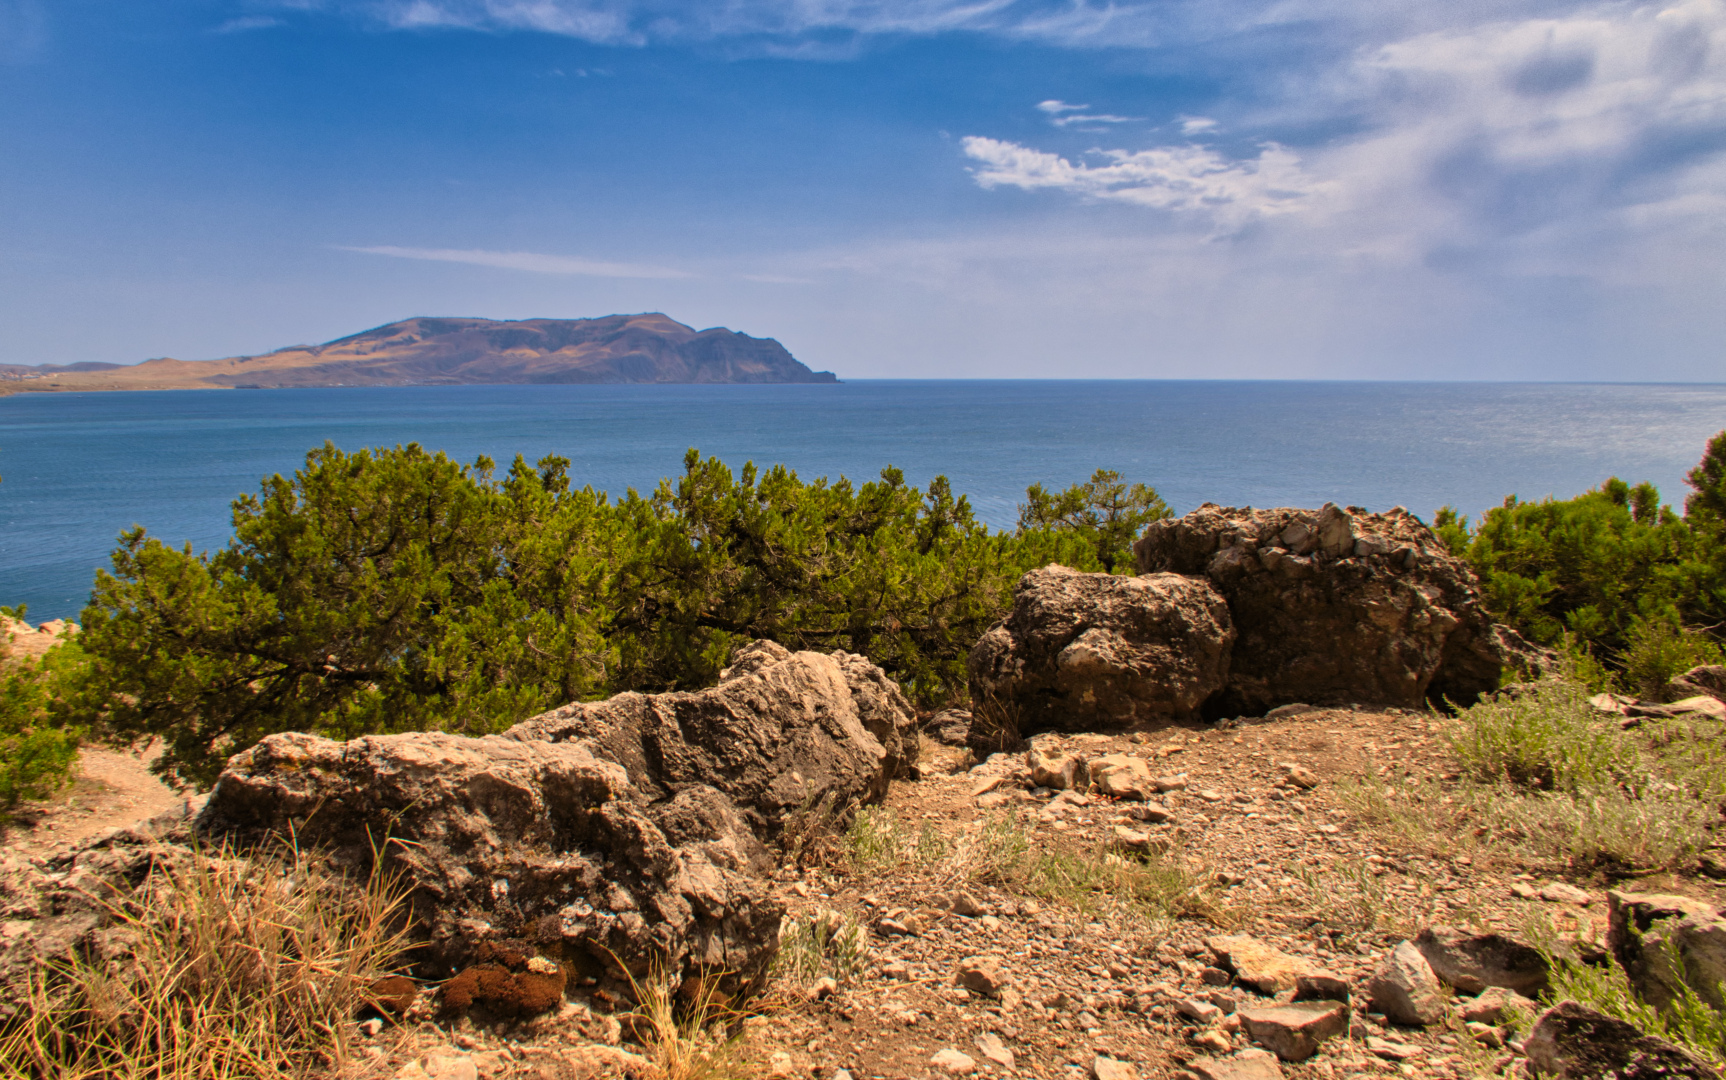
column 1343, row 189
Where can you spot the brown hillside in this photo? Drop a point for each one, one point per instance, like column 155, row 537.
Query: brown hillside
column 650, row 348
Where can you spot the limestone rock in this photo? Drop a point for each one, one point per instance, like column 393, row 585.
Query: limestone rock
column 780, row 729
column 953, row 1062
column 1294, row 1032
column 990, row 1046
column 1473, row 962
column 1642, row 928
column 1089, row 652
column 1573, row 1042
column 1251, row 1064
column 1054, row 768
column 1255, row 965
column 1320, row 986
column 1104, row 1067
column 1404, row 988
column 1495, row 1005
column 1709, row 680
column 982, row 975
column 1122, row 776
column 1336, row 606
column 631, row 828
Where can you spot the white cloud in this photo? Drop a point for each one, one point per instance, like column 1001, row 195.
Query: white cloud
column 526, row 260
column 1189, row 179
column 247, row 23
column 1194, row 125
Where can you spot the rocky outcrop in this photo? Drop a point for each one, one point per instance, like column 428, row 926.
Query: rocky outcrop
column 1336, row 606
column 1079, row 652
column 1571, row 1041
column 1666, row 942
column 626, row 831
column 1709, row 680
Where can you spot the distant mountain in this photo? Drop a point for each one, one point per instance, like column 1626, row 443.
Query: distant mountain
column 429, row 351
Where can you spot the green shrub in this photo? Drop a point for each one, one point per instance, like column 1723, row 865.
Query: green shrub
column 1104, row 510
column 1548, row 737
column 38, row 753
column 1658, row 651
column 397, row 590
column 1610, row 574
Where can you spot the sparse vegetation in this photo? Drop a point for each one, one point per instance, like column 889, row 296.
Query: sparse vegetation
column 218, row 967
column 824, row 943
column 694, row 1037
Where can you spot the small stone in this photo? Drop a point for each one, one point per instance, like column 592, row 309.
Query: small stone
column 444, row 1063
column 989, row 923
column 1390, row 1050
column 1223, row 1000
column 1213, row 1040
column 1255, row 965
column 982, row 975
column 1051, row 769
column 1250, row 1064
column 1300, row 776
column 1485, row 1034
column 779, row 1063
column 1170, row 782
column 371, row 1028
column 993, row 800
column 840, row 1074
column 986, row 785
column 1122, row 776
column 896, row 971
column 892, row 928
column 963, row 903
column 1495, row 1005
column 990, row 1046
column 1404, row 988
column 1210, row 795
column 1104, row 1067
column 1130, row 839
column 1215, row 976
column 954, row 1063
column 1294, row 1032
column 824, row 988
column 1524, row 891
column 1199, row 1010
column 1559, row 892
column 1153, row 812
column 1320, row 986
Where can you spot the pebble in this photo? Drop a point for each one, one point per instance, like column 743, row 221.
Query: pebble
column 1104, row 1067
column 953, row 1062
column 990, row 1046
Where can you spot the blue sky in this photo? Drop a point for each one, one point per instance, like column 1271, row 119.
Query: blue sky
column 893, row 188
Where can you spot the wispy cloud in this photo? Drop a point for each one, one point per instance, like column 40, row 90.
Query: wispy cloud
column 247, row 23
column 1062, row 114
column 526, row 260
column 1182, row 179
column 1195, row 125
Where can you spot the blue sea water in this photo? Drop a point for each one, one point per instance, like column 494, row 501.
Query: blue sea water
column 79, row 468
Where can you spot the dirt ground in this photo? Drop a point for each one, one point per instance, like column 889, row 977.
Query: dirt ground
column 1083, row 977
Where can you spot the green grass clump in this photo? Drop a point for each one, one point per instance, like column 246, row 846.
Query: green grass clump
column 223, row 968
column 38, row 753
column 1548, row 738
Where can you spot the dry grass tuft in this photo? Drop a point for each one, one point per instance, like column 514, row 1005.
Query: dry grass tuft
column 219, row 967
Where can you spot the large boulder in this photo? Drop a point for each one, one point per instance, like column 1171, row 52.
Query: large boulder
column 1665, row 942
column 1571, row 1041
column 621, row 832
column 1081, row 652
column 1337, row 606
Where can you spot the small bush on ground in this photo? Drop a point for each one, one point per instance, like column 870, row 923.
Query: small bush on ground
column 38, row 750
column 226, row 968
column 1546, row 779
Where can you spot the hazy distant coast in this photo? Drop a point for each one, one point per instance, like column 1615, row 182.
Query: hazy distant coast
column 649, row 348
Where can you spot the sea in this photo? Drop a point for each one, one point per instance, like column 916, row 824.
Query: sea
column 78, row 468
